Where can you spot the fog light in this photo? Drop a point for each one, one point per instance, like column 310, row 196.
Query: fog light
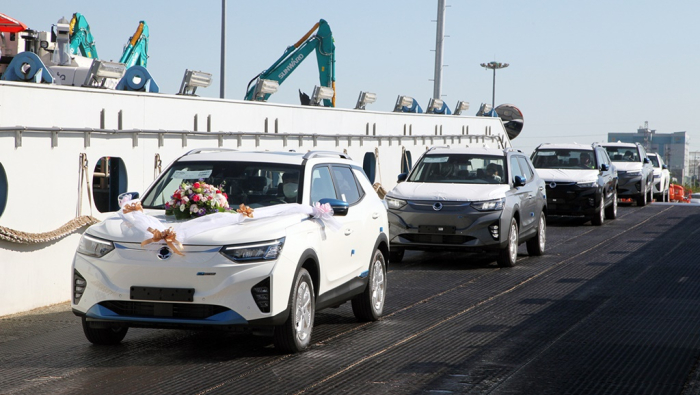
column 79, row 285
column 261, row 295
column 494, row 231
column 591, row 202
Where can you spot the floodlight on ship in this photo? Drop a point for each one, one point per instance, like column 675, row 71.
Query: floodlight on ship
column 460, row 107
column 265, row 87
column 365, row 99
column 103, row 73
column 192, row 80
column 321, row 93
column 407, row 104
column 434, row 106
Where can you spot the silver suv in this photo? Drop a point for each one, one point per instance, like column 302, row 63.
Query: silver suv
column 468, row 199
column 634, row 170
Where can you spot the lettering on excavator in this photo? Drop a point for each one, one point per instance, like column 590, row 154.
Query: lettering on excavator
column 290, row 66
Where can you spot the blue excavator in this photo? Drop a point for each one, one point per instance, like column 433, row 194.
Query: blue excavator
column 292, row 57
column 81, row 41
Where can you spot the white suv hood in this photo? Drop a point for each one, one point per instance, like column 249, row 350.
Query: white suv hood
column 568, row 175
column 448, row 192
column 114, row 229
column 628, row 166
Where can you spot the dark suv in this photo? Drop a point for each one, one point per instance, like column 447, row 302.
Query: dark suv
column 468, row 199
column 580, row 180
column 635, row 171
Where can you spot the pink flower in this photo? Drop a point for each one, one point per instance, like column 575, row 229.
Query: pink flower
column 195, row 185
column 196, row 198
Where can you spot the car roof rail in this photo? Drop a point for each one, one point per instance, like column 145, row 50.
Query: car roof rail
column 317, row 154
column 438, row 146
column 201, row 150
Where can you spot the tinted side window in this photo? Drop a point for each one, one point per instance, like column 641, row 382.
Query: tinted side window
column 346, row 185
column 525, row 168
column 322, row 184
column 515, row 169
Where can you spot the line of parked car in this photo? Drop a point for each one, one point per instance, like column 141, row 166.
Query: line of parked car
column 269, row 274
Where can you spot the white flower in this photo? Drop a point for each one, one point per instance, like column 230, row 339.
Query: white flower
column 182, row 208
column 194, row 208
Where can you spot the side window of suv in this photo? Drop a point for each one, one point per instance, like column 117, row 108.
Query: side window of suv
column 602, row 157
column 515, row 168
column 346, row 185
column 525, row 168
column 322, row 184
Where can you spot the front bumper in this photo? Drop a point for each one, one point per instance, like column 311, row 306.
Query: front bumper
column 570, row 199
column 457, row 226
column 629, row 186
column 222, row 290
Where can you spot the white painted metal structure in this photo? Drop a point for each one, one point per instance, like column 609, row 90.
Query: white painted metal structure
column 44, row 129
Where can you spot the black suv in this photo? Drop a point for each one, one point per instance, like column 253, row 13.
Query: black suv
column 580, row 180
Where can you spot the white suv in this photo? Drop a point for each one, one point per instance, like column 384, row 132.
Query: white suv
column 225, row 270
column 662, row 177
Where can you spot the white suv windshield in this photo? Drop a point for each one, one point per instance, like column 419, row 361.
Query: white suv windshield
column 254, row 184
column 623, row 154
column 459, row 169
column 564, row 159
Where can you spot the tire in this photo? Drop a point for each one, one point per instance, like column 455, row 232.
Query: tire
column 294, row 335
column 396, row 255
column 104, row 336
column 599, row 216
column 611, row 210
column 369, row 305
column 509, row 255
column 535, row 246
column 642, row 199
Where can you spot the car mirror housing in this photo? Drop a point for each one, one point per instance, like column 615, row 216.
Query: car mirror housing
column 519, row 181
column 340, row 208
column 646, row 160
column 665, row 167
column 604, row 167
column 402, row 177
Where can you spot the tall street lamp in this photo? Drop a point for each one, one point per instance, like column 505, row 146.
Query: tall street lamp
column 493, row 66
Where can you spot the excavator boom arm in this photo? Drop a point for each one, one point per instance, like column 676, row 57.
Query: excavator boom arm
column 292, row 57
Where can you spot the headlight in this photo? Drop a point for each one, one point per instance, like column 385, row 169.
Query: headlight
column 489, row 205
column 257, row 252
column 92, row 246
column 395, row 203
column 587, row 184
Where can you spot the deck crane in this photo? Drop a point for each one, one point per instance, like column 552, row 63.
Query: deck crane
column 322, row 42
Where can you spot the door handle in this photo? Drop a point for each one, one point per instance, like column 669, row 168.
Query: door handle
column 375, row 215
column 348, row 231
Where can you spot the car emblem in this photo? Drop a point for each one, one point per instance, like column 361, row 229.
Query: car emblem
column 552, row 184
column 437, row 206
column 164, row 253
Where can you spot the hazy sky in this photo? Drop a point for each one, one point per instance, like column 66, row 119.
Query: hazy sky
column 578, row 69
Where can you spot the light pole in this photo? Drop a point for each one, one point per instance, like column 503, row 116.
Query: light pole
column 494, row 66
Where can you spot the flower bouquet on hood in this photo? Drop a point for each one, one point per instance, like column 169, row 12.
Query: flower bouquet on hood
column 196, row 200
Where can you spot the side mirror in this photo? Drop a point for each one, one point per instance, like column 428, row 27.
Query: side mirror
column 646, row 160
column 665, row 167
column 519, row 181
column 402, row 177
column 604, row 167
column 340, row 208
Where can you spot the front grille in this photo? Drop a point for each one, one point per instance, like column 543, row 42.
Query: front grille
column 436, row 239
column 164, row 310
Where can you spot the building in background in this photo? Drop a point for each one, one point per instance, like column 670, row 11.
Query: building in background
column 673, row 148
